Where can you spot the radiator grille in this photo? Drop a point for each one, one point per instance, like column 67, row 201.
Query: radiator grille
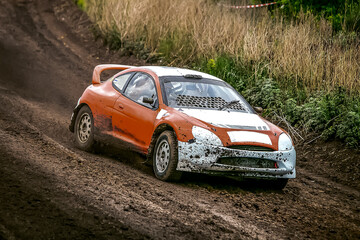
column 252, row 148
column 247, row 162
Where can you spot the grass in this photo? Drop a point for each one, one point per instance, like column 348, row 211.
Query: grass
column 303, row 52
column 304, row 74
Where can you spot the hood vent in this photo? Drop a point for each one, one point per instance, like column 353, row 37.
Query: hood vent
column 205, row 102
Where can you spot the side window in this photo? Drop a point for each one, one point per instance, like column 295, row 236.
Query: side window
column 142, row 86
column 119, row 81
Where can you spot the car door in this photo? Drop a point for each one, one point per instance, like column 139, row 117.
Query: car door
column 133, row 119
column 102, row 99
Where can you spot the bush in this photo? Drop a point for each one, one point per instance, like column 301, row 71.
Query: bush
column 349, row 129
column 81, row 4
column 344, row 15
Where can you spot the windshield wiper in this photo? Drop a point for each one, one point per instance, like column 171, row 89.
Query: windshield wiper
column 227, row 105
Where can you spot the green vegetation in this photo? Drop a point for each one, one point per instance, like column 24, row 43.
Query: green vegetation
column 303, row 73
column 81, row 4
column 343, row 14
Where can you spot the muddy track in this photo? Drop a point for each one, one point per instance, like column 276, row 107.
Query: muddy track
column 49, row 189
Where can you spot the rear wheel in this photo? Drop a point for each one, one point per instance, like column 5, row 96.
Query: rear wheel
column 84, row 129
column 165, row 157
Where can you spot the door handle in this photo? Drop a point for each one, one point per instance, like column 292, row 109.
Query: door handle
column 120, row 106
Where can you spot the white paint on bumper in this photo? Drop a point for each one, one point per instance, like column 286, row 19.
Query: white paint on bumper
column 245, row 136
column 197, row 157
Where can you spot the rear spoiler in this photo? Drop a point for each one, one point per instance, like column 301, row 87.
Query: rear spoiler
column 100, row 68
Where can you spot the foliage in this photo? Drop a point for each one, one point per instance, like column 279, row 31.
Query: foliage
column 344, row 15
column 81, row 4
column 348, row 129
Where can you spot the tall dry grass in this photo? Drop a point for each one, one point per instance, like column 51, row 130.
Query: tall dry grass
column 301, row 52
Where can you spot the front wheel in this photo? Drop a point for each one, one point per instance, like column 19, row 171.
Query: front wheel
column 165, row 157
column 84, row 129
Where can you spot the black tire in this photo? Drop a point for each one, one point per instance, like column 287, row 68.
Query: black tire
column 165, row 157
column 84, row 129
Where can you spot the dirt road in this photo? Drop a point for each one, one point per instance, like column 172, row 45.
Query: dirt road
column 51, row 190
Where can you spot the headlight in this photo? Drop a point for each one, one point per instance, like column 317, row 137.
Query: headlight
column 205, row 136
column 285, row 142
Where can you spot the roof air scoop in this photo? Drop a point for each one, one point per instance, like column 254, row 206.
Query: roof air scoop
column 193, row 76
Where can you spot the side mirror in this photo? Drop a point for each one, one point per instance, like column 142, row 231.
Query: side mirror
column 148, row 100
column 258, row 109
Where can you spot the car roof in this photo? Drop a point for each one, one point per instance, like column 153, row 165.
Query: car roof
column 174, row 71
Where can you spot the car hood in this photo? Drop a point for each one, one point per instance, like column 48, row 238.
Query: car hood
column 227, row 119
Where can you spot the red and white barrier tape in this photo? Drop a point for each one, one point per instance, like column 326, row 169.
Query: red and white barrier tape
column 253, row 6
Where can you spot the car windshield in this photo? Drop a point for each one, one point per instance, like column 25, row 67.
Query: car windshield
column 183, row 92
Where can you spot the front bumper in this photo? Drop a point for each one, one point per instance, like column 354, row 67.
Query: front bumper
column 197, row 157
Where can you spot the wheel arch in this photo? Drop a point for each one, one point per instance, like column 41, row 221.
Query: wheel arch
column 75, row 113
column 159, row 129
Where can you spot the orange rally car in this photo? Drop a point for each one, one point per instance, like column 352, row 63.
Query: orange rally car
column 183, row 120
